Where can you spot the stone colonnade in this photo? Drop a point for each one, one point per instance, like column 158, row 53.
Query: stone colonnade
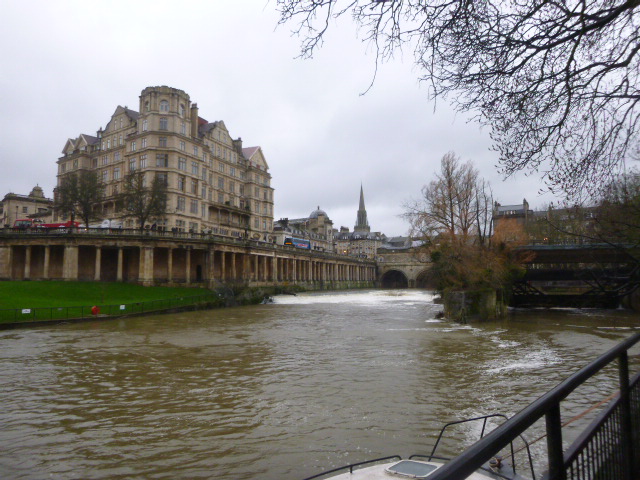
column 168, row 263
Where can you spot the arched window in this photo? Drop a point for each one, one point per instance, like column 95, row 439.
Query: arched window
column 164, row 106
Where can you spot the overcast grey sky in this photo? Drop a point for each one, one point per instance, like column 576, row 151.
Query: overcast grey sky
column 67, row 65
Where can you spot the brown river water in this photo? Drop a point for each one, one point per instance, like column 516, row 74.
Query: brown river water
column 283, row 390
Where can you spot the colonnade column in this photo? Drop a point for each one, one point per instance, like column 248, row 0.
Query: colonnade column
column 170, row 265
column 256, row 269
column 146, row 266
column 120, row 264
column 27, row 262
column 47, row 259
column 223, row 266
column 96, row 270
column 187, row 267
column 70, row 263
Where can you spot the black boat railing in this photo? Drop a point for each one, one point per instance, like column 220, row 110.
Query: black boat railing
column 484, row 419
column 616, row 431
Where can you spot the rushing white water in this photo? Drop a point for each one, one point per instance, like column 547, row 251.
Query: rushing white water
column 278, row 391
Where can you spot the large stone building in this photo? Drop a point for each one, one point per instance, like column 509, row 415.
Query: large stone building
column 317, row 228
column 214, row 184
column 362, row 242
column 34, row 206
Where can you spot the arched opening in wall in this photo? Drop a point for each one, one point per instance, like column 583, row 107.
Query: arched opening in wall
column 394, row 279
column 425, row 280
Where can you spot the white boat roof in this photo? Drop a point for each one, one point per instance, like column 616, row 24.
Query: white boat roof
column 398, row 470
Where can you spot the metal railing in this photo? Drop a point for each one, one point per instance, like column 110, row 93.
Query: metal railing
column 46, row 314
column 608, row 449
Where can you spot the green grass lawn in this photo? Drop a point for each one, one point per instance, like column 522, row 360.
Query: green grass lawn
column 37, row 294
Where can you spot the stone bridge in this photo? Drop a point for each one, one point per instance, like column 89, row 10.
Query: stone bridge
column 403, row 268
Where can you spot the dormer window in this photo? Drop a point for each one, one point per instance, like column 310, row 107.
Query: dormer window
column 164, row 106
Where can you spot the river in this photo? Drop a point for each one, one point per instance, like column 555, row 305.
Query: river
column 278, row 391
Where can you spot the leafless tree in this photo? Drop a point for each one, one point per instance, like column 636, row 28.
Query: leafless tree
column 454, row 204
column 141, row 200
column 79, row 195
column 558, row 82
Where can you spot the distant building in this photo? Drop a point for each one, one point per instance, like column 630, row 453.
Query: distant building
column 361, row 242
column 317, row 228
column 551, row 225
column 33, row 206
column 214, row 183
column 520, row 213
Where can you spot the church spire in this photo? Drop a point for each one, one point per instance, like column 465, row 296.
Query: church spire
column 362, row 225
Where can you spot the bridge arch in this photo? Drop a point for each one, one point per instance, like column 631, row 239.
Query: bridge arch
column 394, row 279
column 425, row 280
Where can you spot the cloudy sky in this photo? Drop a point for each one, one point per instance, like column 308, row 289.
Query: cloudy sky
column 66, row 66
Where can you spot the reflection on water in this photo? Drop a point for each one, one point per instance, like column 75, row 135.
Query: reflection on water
column 277, row 391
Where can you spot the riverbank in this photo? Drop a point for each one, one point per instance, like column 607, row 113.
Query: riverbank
column 43, row 302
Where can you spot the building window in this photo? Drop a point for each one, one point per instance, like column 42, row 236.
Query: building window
column 181, row 110
column 256, row 222
column 116, row 173
column 194, row 206
column 232, row 187
column 241, row 187
column 203, row 210
column 143, row 161
column 183, row 147
column 116, row 157
column 162, row 160
column 220, row 198
column 232, row 171
column 194, row 168
column 182, row 163
column 144, row 143
column 203, row 192
column 75, row 164
column 181, row 182
column 145, row 125
column 132, row 164
column 221, row 167
column 108, row 143
column 194, row 187
column 133, row 147
column 105, row 176
column 221, row 183
column 180, row 225
column 162, row 141
column 183, row 128
column 195, row 150
column 164, row 123
column 119, row 139
column 164, row 106
column 181, row 204
column 163, row 177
